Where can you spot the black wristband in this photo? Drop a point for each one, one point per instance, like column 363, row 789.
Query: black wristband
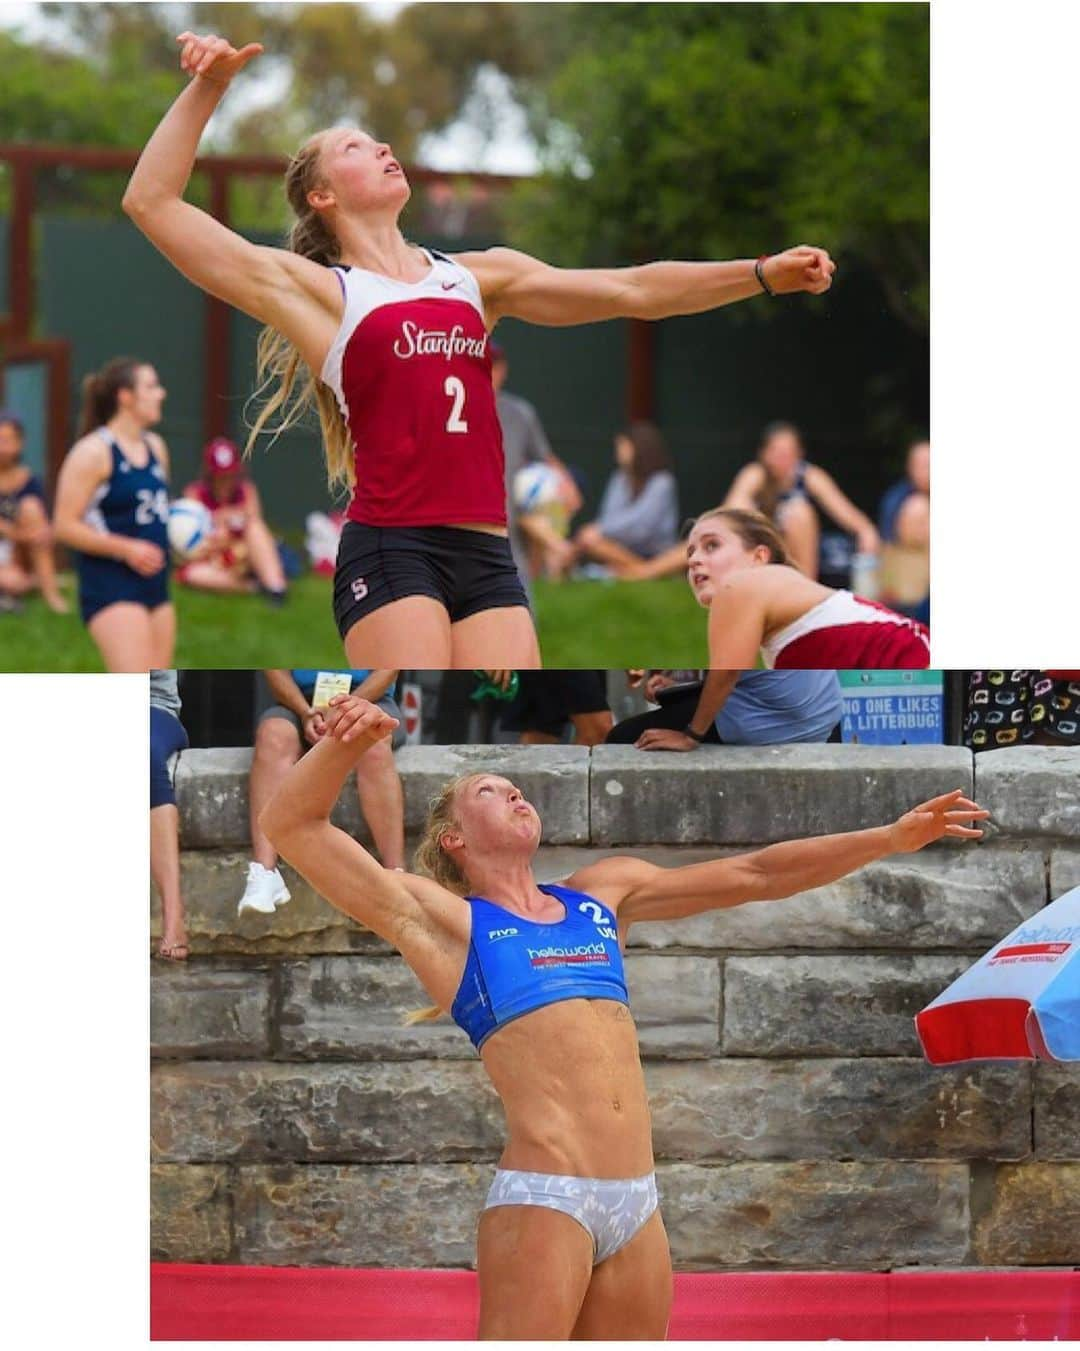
column 699, row 737
column 759, row 272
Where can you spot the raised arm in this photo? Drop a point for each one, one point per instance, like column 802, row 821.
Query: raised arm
column 640, row 891
column 297, row 823
column 298, row 297
column 516, row 286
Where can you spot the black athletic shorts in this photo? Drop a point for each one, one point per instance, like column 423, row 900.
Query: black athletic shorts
column 546, row 700
column 465, row 570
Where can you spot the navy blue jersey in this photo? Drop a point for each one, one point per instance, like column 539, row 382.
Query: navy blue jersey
column 9, row 501
column 516, row 965
column 132, row 501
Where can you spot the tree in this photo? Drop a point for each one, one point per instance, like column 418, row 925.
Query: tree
column 725, row 130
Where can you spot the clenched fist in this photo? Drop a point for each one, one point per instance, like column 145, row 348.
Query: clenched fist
column 800, row 269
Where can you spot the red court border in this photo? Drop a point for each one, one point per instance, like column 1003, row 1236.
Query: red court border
column 230, row 1303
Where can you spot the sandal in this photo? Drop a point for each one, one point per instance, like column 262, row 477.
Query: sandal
column 174, row 952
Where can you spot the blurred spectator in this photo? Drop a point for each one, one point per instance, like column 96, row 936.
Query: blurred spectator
column 26, row 543
column 639, row 512
column 241, row 555
column 284, row 732
column 785, row 487
column 734, row 708
column 167, row 736
column 904, row 521
column 1016, row 708
column 536, row 543
column 548, row 701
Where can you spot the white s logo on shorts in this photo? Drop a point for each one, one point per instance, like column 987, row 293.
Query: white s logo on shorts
column 359, row 588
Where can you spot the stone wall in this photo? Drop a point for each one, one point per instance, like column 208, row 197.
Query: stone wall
column 296, row 1121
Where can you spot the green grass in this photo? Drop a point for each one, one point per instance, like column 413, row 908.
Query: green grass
column 581, row 624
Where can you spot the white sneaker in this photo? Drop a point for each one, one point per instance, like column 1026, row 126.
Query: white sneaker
column 264, row 892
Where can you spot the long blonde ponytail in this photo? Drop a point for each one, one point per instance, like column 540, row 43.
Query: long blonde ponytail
column 433, row 861
column 277, row 360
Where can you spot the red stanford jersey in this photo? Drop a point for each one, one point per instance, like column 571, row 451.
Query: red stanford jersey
column 411, row 370
column 846, row 632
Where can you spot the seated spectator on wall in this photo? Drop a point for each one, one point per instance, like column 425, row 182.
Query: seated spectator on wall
column 286, row 729
column 548, row 702
column 1022, row 708
column 784, row 486
column 734, row 708
column 241, row 555
column 904, row 521
column 167, row 737
column 26, row 539
column 639, row 512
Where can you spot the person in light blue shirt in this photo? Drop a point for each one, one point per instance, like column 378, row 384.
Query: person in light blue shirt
column 735, row 708
column 639, row 512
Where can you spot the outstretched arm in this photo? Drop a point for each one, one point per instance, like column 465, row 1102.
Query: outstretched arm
column 642, row 891
column 517, row 286
column 297, row 823
column 272, row 285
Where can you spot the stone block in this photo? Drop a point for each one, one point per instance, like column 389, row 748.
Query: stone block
column 838, row 1109
column 360, row 1216
column 939, row 898
column 815, row 1216
column 1064, row 870
column 190, row 1213
column 258, row 1112
column 1031, row 790
column 212, row 882
column 761, row 794
column 844, row 1005
column 1057, row 1111
column 212, row 797
column 1033, row 1218
column 354, row 1008
column 200, row 1010
column 676, row 1004
column 212, row 789
column 555, row 780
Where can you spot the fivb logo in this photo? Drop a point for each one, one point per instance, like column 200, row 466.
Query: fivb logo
column 603, row 928
column 495, row 934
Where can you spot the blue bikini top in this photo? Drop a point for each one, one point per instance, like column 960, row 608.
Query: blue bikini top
column 515, row 965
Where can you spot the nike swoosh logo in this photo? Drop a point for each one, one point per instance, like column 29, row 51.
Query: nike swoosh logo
column 449, row 285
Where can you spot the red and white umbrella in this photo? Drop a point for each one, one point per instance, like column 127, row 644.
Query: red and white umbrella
column 1021, row 1001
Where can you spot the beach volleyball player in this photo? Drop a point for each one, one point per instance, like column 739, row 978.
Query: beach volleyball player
column 761, row 607
column 571, row 1242
column 112, row 507
column 391, row 342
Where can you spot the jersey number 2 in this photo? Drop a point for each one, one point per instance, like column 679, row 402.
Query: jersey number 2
column 455, row 422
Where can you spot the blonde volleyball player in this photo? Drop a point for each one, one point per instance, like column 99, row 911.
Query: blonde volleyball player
column 571, row 1242
column 391, row 342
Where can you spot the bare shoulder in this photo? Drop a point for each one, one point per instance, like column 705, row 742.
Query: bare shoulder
column 496, row 266
column 88, row 453
column 611, row 879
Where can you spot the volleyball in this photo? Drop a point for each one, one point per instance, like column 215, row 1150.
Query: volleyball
column 536, row 488
column 190, row 523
